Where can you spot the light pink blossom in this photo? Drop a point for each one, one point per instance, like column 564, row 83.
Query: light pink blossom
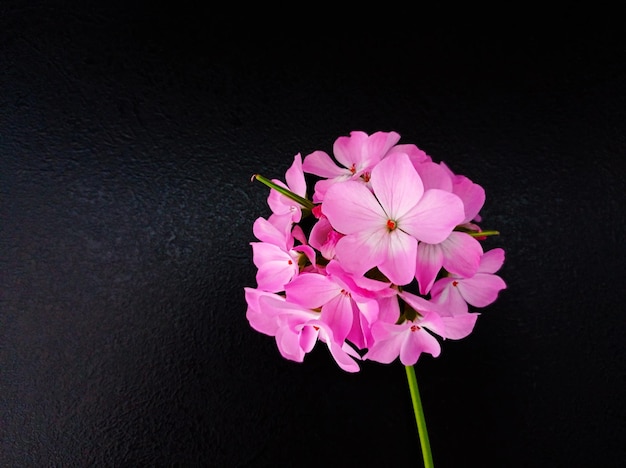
column 409, row 339
column 356, row 154
column 459, row 254
column 472, row 194
column 296, row 183
column 454, row 292
column 382, row 226
column 297, row 329
column 348, row 313
column 276, row 258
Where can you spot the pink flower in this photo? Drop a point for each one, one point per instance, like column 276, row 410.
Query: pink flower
column 472, row 194
column 276, row 267
column 357, row 153
column 409, row 339
column 459, row 254
column 382, row 227
column 454, row 292
column 295, row 328
column 296, row 183
column 347, row 312
column 276, row 258
column 324, row 238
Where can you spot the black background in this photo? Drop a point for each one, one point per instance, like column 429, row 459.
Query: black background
column 128, row 135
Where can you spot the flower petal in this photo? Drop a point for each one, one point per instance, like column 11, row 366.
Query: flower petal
column 352, row 208
column 418, row 342
column 461, row 254
column 491, row 261
column 445, row 294
column 260, row 320
column 428, row 265
column 459, row 326
column 311, row 290
column 276, row 267
column 388, row 341
column 482, row 289
column 399, row 264
column 360, row 252
column 348, row 149
column 377, row 146
column 472, row 195
column 320, row 164
column 295, row 177
column 397, row 185
column 434, row 176
column 338, row 314
column 434, row 217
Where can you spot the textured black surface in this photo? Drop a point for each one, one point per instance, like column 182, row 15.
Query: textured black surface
column 128, row 135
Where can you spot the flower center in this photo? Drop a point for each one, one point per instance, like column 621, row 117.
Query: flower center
column 414, row 328
column 391, row 224
column 455, row 283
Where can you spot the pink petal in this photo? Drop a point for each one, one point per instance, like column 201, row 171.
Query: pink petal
column 367, row 313
column 415, row 154
column 350, row 207
column 338, row 314
column 275, row 266
column 324, row 238
column 261, row 321
column 320, row 164
column 491, row 261
column 388, row 309
column 397, row 185
column 461, row 254
column 295, row 177
column 401, row 254
column 422, row 306
column 275, row 231
column 340, row 352
column 388, row 341
column 361, row 252
column 428, row 265
column 348, row 149
column 448, row 297
column 311, row 290
column 288, row 344
column 434, row 217
column 308, row 338
column 307, row 250
column 432, row 321
column 472, row 195
column 459, row 326
column 377, row 146
column 418, row 342
column 482, row 289
column 434, row 176
column 360, row 285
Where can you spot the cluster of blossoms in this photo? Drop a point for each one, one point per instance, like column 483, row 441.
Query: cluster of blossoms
column 384, row 257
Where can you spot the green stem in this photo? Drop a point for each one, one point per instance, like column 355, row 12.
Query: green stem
column 419, row 417
column 484, row 233
column 282, row 190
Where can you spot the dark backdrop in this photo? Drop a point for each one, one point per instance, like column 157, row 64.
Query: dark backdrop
column 128, row 135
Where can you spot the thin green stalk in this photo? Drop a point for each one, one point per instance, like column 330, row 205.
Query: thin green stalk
column 484, row 233
column 288, row 193
column 419, row 417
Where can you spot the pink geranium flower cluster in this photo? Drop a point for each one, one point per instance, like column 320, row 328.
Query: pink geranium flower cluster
column 384, row 258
